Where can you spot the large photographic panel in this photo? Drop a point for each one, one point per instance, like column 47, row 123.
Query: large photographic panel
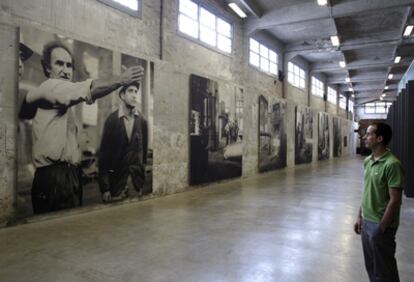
column 303, row 135
column 272, row 134
column 74, row 150
column 337, row 132
column 216, row 130
column 323, row 136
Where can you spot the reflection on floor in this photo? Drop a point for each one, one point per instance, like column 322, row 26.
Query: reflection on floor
column 290, row 225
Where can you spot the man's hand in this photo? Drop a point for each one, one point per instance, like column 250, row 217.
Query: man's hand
column 132, row 74
column 101, row 88
column 358, row 225
column 106, row 197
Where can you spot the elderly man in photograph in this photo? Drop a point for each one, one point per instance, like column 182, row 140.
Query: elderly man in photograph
column 378, row 217
column 56, row 151
column 123, row 151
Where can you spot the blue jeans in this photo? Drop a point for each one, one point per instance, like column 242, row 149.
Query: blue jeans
column 379, row 252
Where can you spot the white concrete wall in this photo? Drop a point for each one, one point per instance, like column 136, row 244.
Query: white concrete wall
column 317, row 103
column 98, row 24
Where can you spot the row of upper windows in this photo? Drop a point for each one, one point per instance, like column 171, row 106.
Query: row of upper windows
column 377, row 108
column 296, row 75
column 132, row 7
column 263, row 57
column 201, row 24
column 318, row 89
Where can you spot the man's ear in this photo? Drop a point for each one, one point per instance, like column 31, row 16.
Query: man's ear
column 48, row 69
column 380, row 139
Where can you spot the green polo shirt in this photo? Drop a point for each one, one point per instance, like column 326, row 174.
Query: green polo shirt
column 379, row 176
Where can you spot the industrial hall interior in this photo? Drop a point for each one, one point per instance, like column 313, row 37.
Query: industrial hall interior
column 206, row 140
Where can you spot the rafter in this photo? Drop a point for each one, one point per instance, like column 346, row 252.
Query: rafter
column 252, row 7
column 306, row 12
column 326, row 67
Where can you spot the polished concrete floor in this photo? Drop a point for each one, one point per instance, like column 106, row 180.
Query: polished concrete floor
column 291, row 225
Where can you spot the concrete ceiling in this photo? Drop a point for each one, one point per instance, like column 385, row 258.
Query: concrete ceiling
column 370, row 34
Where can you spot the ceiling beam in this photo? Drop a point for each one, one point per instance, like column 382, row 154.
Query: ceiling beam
column 327, row 67
column 347, row 84
column 363, row 100
column 337, row 80
column 368, row 88
column 311, row 47
column 252, row 7
column 402, row 64
column 360, row 43
column 309, row 11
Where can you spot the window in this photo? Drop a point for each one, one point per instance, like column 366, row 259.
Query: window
column 262, row 57
column 317, row 87
column 350, row 105
column 132, row 7
column 296, row 75
column 201, row 24
column 377, row 108
column 332, row 95
column 342, row 101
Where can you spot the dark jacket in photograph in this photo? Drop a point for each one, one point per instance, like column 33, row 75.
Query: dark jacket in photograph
column 120, row 157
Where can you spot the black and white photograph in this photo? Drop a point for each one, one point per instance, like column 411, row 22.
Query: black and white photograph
column 85, row 124
column 272, row 134
column 303, row 135
column 337, row 144
column 323, row 136
column 216, row 130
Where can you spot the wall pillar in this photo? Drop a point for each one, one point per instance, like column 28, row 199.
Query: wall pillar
column 8, row 122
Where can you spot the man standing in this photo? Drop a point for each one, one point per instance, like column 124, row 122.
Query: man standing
column 123, row 151
column 56, row 153
column 378, row 217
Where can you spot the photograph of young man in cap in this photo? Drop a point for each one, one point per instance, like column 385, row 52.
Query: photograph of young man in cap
column 124, row 146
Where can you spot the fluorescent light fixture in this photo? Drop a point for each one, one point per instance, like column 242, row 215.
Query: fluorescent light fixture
column 237, row 10
column 383, row 95
column 322, row 2
column 351, row 89
column 335, row 40
column 390, row 76
column 408, row 30
column 381, row 98
column 342, row 64
column 353, row 95
column 397, row 59
column 347, row 79
column 386, row 87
